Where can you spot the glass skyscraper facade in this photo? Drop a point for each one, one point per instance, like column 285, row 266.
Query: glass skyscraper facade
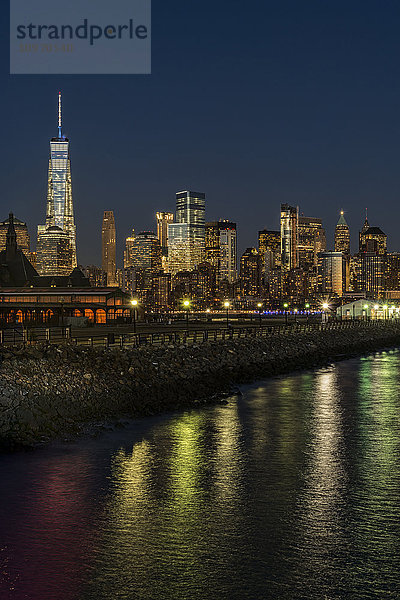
column 186, row 237
column 289, row 236
column 59, row 211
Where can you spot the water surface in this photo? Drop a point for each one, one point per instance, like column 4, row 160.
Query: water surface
column 289, row 492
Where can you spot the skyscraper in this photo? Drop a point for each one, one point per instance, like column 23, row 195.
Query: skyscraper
column 145, row 263
column 54, row 252
column 186, row 237
column 250, row 273
column 331, row 273
column 342, row 236
column 221, row 249
column 108, row 241
column 312, row 240
column 59, row 211
column 289, row 236
column 163, row 220
column 374, row 240
column 129, row 242
column 270, row 241
column 228, row 252
column 361, row 239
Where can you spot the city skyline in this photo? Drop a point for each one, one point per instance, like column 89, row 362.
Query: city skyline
column 263, row 127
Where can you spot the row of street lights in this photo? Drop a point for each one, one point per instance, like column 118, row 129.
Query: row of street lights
column 227, row 305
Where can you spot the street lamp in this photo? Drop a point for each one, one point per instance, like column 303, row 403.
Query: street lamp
column 186, row 304
column 259, row 306
column 285, row 306
column 325, row 307
column 134, row 304
column 295, row 314
column 227, row 305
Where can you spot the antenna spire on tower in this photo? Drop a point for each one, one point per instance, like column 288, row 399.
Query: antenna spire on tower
column 59, row 115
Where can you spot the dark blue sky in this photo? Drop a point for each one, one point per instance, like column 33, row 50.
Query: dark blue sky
column 253, row 103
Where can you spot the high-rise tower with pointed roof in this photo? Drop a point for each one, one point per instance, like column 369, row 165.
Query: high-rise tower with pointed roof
column 342, row 236
column 59, row 211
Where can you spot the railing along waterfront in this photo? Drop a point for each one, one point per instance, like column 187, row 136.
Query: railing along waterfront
column 18, row 337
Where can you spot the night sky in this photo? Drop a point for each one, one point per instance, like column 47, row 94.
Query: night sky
column 253, row 103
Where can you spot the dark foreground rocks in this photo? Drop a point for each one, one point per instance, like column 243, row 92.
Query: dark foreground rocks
column 51, row 391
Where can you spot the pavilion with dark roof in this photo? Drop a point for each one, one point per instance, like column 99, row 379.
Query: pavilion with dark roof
column 27, row 297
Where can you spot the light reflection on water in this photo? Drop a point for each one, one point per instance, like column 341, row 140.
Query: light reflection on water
column 290, row 492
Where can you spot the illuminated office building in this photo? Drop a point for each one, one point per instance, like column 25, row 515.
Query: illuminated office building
column 54, row 252
column 342, row 236
column 163, row 220
column 212, row 243
column 393, row 271
column 311, row 241
column 373, row 240
column 186, row 237
column 161, row 291
column 228, row 252
column 129, row 242
column 373, row 273
column 289, row 236
column 250, row 273
column 108, row 243
column 145, row 262
column 21, row 231
column 269, row 241
column 221, row 249
column 330, row 273
column 59, row 210
column 179, row 258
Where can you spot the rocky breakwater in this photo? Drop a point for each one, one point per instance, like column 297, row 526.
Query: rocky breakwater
column 50, row 391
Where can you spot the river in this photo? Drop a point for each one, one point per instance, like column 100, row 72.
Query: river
column 291, row 491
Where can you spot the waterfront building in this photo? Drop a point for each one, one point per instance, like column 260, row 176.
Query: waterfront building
column 311, row 241
column 289, row 236
column 108, row 241
column 186, row 237
column 59, row 208
column 330, row 273
column 342, row 236
column 22, row 234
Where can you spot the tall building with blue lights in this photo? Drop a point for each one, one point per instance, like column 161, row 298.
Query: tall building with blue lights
column 59, row 212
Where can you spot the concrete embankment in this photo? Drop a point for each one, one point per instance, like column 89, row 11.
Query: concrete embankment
column 51, row 391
